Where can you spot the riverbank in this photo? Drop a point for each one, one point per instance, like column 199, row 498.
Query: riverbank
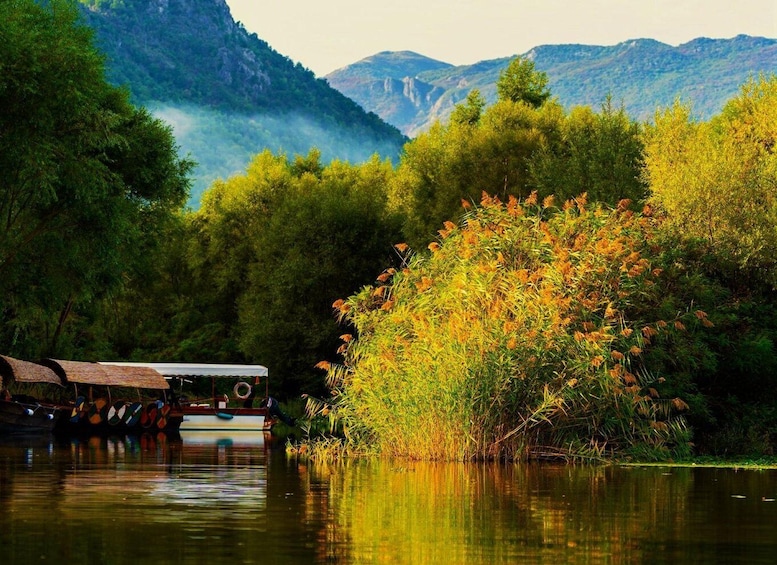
column 709, row 462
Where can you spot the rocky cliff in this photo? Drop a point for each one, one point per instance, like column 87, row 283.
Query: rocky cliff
column 642, row 74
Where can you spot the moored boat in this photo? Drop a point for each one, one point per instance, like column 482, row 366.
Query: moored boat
column 227, row 397
column 115, row 400
column 24, row 406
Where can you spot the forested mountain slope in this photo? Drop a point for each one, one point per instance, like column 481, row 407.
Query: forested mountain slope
column 227, row 93
column 413, row 92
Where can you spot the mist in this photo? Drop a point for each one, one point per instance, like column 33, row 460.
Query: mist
column 223, row 144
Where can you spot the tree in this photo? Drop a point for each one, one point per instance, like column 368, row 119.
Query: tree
column 520, row 82
column 459, row 161
column 470, row 110
column 86, row 177
column 595, row 153
column 716, row 181
column 326, row 238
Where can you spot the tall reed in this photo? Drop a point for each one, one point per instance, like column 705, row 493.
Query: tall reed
column 521, row 334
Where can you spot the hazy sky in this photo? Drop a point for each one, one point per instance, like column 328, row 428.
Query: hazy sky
column 324, row 35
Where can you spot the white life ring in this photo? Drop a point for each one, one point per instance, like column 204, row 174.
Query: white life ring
column 238, row 387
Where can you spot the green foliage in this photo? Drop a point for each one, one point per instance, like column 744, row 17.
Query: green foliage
column 469, row 112
column 510, row 149
column 596, row 153
column 252, row 275
column 461, row 160
column 715, row 180
column 521, row 335
column 521, row 82
column 87, row 178
column 325, row 238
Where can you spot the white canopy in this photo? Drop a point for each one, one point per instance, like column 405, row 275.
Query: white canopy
column 199, row 369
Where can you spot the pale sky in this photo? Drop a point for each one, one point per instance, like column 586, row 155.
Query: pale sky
column 324, row 35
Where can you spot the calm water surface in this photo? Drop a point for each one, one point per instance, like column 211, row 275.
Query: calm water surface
column 233, row 501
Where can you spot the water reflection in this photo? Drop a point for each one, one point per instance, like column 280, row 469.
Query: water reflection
column 239, row 500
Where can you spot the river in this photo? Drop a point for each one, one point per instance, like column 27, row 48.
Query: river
column 205, row 499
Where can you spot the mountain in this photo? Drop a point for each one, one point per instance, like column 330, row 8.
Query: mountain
column 642, row 74
column 227, row 93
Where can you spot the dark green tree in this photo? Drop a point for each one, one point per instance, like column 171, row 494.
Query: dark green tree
column 521, row 82
column 595, row 153
column 326, row 238
column 86, row 176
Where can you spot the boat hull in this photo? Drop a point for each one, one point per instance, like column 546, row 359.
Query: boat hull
column 17, row 417
column 226, row 419
column 119, row 419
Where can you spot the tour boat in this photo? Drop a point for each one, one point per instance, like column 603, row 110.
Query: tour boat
column 22, row 407
column 222, row 397
column 114, row 400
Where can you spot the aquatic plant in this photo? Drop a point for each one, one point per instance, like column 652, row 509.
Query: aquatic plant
column 521, row 334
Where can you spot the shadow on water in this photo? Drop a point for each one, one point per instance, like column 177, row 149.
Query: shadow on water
column 215, row 499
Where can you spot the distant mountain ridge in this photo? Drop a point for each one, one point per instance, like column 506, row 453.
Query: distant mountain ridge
column 411, row 91
column 226, row 92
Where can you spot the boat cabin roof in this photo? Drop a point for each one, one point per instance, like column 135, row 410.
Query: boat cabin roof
column 25, row 372
column 199, row 369
column 81, row 372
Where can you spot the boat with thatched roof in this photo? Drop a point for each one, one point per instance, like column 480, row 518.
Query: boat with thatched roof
column 115, row 399
column 29, row 395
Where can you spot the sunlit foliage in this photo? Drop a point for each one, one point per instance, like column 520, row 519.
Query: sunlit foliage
column 511, row 149
column 716, row 180
column 521, row 335
column 521, row 82
column 597, row 153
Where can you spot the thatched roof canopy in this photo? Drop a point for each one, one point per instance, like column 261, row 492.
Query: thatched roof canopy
column 140, row 377
column 26, row 372
column 96, row 374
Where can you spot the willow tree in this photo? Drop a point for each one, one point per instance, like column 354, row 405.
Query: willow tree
column 86, row 176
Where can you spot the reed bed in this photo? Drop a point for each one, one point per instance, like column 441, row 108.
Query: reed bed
column 521, row 334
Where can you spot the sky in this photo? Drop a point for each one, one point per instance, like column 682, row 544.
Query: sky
column 325, row 35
